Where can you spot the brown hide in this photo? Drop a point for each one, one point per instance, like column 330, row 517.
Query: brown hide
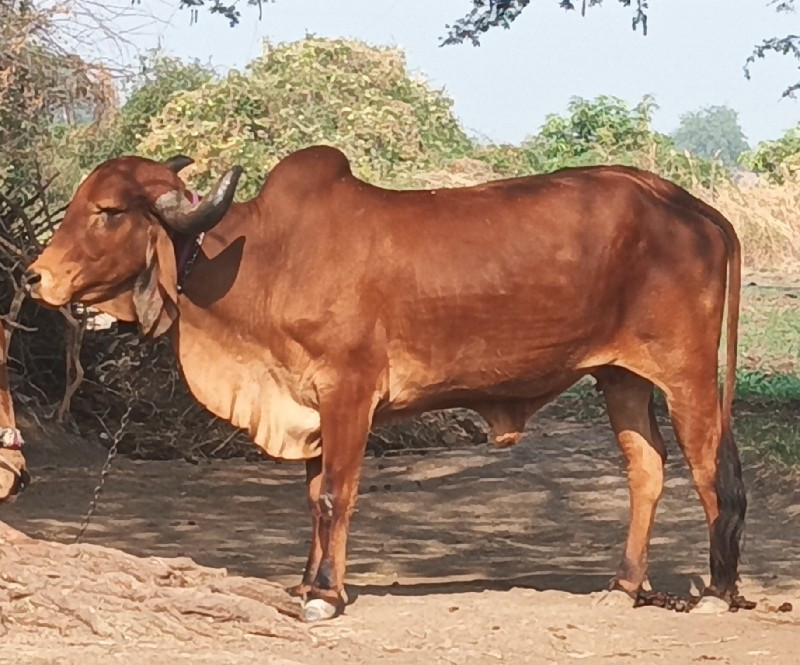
column 327, row 305
column 13, row 473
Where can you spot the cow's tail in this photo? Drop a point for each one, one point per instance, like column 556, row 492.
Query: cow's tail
column 726, row 531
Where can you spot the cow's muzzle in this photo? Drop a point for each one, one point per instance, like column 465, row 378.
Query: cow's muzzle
column 40, row 284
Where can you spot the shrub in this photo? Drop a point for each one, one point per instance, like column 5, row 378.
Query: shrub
column 777, row 159
column 341, row 93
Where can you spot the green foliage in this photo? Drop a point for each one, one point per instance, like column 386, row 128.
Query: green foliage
column 78, row 149
column 776, row 159
column 360, row 99
column 712, row 132
column 768, row 431
column 342, row 93
column 603, row 130
column 768, row 386
column 592, row 131
column 162, row 79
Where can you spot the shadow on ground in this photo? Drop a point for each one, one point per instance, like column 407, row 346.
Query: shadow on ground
column 549, row 514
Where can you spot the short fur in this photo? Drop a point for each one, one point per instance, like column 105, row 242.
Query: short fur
column 326, row 305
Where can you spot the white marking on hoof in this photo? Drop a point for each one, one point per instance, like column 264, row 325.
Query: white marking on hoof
column 317, row 609
column 614, row 598
column 711, row 605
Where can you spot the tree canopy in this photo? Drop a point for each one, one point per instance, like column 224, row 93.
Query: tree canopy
column 712, row 132
column 488, row 14
column 777, row 160
column 340, row 92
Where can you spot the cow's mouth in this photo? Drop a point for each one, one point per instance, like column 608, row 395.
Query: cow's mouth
column 61, row 292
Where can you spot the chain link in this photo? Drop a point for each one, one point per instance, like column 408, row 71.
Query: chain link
column 112, row 453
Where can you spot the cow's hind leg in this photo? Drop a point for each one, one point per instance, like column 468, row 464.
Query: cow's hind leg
column 629, row 400
column 313, row 485
column 717, row 473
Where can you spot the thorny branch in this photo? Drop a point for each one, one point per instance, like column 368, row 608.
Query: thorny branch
column 74, row 368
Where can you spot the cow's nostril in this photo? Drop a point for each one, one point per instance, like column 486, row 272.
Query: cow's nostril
column 31, row 278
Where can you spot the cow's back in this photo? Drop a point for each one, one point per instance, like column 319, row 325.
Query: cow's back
column 535, row 277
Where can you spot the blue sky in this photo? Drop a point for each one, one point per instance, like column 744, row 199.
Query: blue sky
column 692, row 56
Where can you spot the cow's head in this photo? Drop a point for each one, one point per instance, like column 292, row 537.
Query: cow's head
column 14, row 475
column 114, row 250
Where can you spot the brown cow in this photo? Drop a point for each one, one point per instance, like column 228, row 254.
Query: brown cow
column 326, row 305
column 13, row 472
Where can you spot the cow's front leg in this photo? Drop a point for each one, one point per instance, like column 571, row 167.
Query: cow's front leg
column 345, row 419
column 313, row 485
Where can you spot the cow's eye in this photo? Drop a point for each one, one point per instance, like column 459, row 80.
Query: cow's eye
column 111, row 216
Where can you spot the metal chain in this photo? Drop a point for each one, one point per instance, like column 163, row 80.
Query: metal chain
column 112, row 453
column 185, row 269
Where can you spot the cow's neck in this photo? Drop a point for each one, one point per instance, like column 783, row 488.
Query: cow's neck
column 227, row 367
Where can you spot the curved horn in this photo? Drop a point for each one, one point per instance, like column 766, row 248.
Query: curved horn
column 179, row 214
column 177, row 163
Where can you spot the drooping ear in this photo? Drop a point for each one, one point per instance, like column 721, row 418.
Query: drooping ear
column 155, row 292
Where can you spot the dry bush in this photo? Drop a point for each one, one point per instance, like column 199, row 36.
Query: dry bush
column 359, row 98
column 460, row 173
column 766, row 216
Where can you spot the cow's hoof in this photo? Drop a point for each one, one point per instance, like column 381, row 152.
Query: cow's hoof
column 711, row 605
column 614, row 598
column 317, row 609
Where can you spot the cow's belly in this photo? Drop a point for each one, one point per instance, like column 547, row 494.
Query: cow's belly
column 258, row 396
column 418, row 381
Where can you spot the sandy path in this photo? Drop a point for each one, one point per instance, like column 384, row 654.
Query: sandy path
column 475, row 556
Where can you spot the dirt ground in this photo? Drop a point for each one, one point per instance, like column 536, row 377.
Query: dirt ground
column 474, row 556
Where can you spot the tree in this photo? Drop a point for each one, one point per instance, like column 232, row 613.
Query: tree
column 712, row 132
column 40, row 81
column 603, row 130
column 778, row 159
column 341, row 92
column 75, row 148
column 788, row 45
column 488, row 14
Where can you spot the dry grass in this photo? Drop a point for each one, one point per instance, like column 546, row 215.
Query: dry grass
column 765, row 215
column 460, row 173
column 767, row 218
